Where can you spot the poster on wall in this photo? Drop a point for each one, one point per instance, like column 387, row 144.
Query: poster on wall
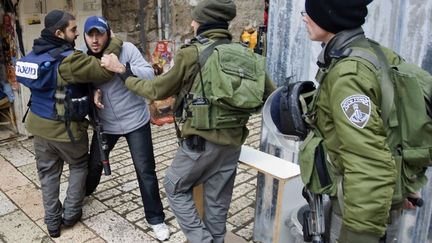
column 35, row 19
column 9, row 47
column 161, row 111
column 163, row 54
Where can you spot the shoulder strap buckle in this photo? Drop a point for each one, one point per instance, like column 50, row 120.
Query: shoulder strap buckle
column 337, row 54
column 202, row 39
column 57, row 52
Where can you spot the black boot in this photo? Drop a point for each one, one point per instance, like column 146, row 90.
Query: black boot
column 72, row 221
column 54, row 232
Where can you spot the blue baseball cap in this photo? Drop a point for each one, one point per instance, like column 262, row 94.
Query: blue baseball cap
column 96, row 22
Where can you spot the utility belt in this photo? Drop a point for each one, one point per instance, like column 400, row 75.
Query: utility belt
column 195, row 143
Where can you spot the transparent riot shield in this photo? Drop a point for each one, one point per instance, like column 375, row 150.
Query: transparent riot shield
column 286, row 147
column 415, row 225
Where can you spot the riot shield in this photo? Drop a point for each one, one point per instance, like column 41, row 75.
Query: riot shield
column 285, row 147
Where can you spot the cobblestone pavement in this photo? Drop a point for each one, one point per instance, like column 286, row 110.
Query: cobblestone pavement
column 115, row 212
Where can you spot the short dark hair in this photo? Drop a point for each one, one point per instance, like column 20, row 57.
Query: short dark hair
column 58, row 20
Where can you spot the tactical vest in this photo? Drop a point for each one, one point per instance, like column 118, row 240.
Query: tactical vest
column 49, row 99
column 228, row 86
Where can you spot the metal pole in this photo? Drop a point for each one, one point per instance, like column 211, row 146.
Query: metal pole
column 166, row 19
column 143, row 3
column 159, row 19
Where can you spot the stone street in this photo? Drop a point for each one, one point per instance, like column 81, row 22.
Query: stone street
column 114, row 213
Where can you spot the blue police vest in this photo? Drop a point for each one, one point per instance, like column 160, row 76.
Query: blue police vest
column 39, row 74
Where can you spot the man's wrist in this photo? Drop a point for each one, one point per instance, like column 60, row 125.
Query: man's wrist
column 127, row 73
column 122, row 68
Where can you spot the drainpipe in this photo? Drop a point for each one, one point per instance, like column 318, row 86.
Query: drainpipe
column 142, row 3
column 166, row 19
column 159, row 18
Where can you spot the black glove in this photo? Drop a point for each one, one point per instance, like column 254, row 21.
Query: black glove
column 127, row 73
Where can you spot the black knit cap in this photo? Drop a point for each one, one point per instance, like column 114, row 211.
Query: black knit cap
column 53, row 18
column 213, row 11
column 337, row 15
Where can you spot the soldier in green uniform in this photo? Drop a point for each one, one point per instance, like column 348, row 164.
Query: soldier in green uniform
column 348, row 117
column 207, row 156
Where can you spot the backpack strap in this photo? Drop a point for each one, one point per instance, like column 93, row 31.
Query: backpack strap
column 27, row 110
column 380, row 62
column 202, row 59
column 367, row 56
column 184, row 92
column 60, row 95
column 387, row 88
column 201, row 39
column 59, row 54
column 204, row 56
column 206, row 53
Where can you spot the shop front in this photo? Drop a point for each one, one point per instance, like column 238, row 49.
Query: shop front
column 22, row 22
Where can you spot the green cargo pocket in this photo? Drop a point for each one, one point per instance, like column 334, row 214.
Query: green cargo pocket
column 200, row 117
column 419, row 157
column 413, row 177
column 221, row 118
column 398, row 194
column 244, row 77
column 315, row 173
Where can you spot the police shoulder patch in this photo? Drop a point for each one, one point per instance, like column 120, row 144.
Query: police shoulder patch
column 357, row 109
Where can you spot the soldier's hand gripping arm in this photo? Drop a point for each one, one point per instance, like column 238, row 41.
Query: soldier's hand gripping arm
column 81, row 68
column 163, row 86
column 112, row 63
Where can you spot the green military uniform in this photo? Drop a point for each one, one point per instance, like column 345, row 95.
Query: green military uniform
column 74, row 69
column 213, row 164
column 180, row 75
column 349, row 119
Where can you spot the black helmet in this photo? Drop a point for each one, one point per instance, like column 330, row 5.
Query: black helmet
column 287, row 108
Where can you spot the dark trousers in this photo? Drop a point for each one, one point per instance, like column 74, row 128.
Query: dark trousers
column 215, row 167
column 141, row 148
column 50, row 158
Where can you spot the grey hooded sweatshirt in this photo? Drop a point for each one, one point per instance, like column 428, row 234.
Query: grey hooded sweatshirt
column 124, row 111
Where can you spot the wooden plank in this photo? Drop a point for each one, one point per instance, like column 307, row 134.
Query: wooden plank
column 199, row 203
column 198, row 197
column 269, row 164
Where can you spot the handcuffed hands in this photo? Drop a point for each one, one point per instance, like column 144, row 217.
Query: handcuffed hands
column 112, row 63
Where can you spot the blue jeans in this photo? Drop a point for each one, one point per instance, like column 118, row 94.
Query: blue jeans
column 141, row 148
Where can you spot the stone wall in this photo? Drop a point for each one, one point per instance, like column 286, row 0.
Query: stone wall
column 138, row 24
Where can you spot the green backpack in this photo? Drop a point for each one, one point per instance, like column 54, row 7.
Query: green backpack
column 406, row 106
column 228, row 88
